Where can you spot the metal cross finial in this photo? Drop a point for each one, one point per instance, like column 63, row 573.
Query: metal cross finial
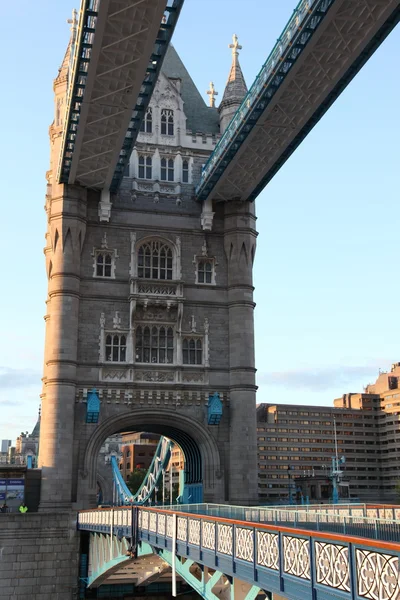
column 212, row 93
column 235, row 46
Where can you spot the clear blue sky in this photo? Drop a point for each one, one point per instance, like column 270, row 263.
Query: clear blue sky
column 326, row 275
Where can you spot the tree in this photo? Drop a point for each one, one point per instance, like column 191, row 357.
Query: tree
column 136, row 479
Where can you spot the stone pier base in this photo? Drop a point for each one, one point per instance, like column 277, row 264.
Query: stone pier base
column 39, row 556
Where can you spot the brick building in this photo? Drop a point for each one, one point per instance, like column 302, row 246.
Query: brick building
column 299, row 441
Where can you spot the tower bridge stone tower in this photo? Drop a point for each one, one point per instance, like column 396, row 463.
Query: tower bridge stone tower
column 150, row 302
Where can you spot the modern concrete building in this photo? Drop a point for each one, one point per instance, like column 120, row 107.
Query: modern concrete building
column 299, row 441
column 296, row 441
column 148, row 296
column 5, row 444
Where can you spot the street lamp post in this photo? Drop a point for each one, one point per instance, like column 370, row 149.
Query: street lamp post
column 289, row 471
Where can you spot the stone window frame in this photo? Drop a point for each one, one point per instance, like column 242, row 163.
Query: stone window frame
column 104, row 251
column 208, row 260
column 185, row 171
column 147, row 122
column 157, row 348
column 193, row 338
column 156, row 258
column 112, row 334
column 147, row 166
column 167, row 169
column 167, row 122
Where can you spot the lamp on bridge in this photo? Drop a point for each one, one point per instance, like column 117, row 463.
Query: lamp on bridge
column 92, row 407
column 214, row 409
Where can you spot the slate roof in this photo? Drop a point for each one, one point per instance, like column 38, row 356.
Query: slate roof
column 200, row 117
column 236, row 87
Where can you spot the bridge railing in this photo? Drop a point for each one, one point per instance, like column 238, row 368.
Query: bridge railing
column 295, row 560
column 332, row 519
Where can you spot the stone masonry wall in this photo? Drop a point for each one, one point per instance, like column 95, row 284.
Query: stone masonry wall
column 39, row 556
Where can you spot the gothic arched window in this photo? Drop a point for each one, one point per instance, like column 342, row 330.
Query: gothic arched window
column 154, row 344
column 185, row 171
column 116, row 348
column 205, row 271
column 145, row 167
column 103, row 264
column 147, row 123
column 167, row 121
column 155, row 260
column 192, row 351
column 167, row 169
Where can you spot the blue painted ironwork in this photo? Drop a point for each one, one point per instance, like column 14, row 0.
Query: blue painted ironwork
column 214, row 409
column 293, row 562
column 300, row 28
column 92, row 407
column 151, row 481
column 166, row 30
column 29, row 461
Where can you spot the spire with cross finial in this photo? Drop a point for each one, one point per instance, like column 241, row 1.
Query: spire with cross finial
column 235, row 89
column 212, row 93
column 235, row 45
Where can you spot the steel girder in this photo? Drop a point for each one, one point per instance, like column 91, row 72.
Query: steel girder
column 318, row 54
column 118, row 53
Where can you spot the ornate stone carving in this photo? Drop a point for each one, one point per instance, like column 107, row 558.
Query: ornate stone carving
column 117, row 320
column 155, row 376
column 193, row 377
column 115, row 374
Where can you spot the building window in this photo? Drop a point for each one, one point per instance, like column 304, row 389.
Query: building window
column 192, row 351
column 185, row 171
column 147, row 123
column 205, row 271
column 145, row 167
column 116, row 348
column 103, row 264
column 155, row 261
column 128, row 465
column 167, row 122
column 167, row 169
column 154, row 344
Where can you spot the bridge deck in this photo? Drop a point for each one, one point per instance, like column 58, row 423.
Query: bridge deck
column 290, row 560
column 323, row 46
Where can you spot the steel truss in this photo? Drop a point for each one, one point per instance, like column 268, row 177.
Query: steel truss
column 324, row 45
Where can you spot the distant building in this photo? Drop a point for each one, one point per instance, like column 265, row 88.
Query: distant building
column 27, row 444
column 298, row 442
column 5, row 444
column 137, row 450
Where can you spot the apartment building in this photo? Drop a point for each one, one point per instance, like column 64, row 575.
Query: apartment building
column 299, row 441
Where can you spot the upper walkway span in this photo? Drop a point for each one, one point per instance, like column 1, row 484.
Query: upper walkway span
column 340, row 560
column 321, row 49
column 115, row 57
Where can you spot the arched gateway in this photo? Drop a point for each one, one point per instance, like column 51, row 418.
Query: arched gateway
column 199, row 446
column 150, row 303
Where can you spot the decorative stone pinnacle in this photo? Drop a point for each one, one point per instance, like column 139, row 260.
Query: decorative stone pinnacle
column 212, row 93
column 74, row 24
column 235, row 46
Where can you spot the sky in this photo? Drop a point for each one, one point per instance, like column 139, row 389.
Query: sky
column 326, row 272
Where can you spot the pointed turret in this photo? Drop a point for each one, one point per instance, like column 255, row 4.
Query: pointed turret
column 235, row 89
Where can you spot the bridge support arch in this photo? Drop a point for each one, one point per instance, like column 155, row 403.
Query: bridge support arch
column 203, row 451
